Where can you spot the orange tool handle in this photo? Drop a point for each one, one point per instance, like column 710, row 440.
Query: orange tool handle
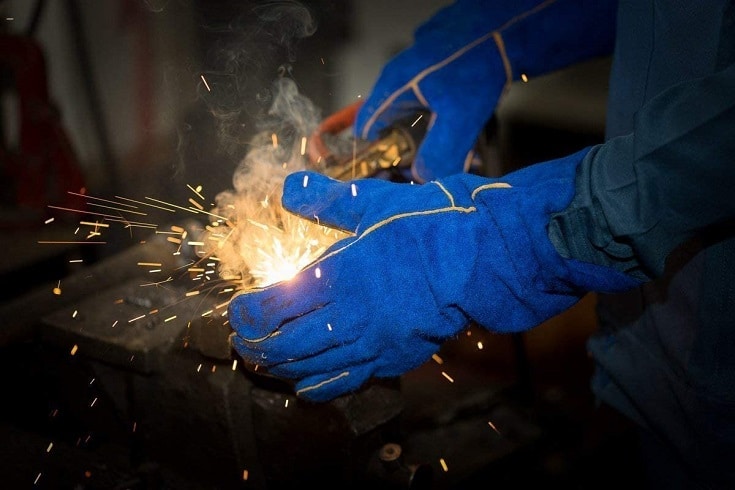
column 333, row 124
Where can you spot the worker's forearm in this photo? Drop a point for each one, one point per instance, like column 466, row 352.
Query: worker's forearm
column 639, row 196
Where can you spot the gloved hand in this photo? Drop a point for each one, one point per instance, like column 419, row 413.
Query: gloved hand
column 460, row 62
column 424, row 261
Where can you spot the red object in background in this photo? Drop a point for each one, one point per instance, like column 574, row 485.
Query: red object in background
column 334, row 124
column 43, row 168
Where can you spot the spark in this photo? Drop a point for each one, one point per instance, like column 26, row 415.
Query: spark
column 82, row 211
column 199, row 368
column 353, row 187
column 86, row 196
column 479, row 345
column 114, row 324
column 196, row 204
column 274, row 139
column 444, row 464
column 318, row 273
column 169, row 319
column 524, row 77
column 57, row 289
column 93, row 402
column 136, row 318
column 286, row 404
column 195, row 244
column 50, row 220
column 119, row 209
column 192, row 293
column 73, row 242
column 150, row 264
column 234, row 365
column 50, row 446
column 171, row 205
column 196, row 191
column 74, row 315
column 417, row 120
column 329, row 327
column 448, row 377
column 74, row 349
column 76, row 261
column 205, row 82
column 306, row 181
column 96, row 224
column 303, row 145
column 244, row 474
column 492, row 426
column 38, row 477
column 437, row 359
column 145, row 204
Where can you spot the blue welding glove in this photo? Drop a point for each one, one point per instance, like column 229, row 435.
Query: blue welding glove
column 424, row 261
column 460, row 62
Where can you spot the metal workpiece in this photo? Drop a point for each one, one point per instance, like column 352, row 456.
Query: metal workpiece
column 124, row 326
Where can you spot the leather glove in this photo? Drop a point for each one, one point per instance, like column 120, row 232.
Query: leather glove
column 422, row 263
column 460, row 62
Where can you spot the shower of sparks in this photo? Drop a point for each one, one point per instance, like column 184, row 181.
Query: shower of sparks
column 258, row 243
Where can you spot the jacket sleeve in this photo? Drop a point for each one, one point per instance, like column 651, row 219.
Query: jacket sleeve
column 641, row 195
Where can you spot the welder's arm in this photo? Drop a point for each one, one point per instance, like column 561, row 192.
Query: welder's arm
column 463, row 58
column 640, row 196
column 423, row 261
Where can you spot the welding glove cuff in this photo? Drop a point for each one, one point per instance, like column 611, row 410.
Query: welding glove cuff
column 423, row 261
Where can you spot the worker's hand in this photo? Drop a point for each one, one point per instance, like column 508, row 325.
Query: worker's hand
column 423, row 262
column 464, row 56
column 455, row 72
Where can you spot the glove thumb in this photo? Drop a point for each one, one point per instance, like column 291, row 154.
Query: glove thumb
column 445, row 148
column 327, row 201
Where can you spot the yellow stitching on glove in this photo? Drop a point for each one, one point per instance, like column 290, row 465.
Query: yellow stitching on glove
column 319, row 385
column 494, row 185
